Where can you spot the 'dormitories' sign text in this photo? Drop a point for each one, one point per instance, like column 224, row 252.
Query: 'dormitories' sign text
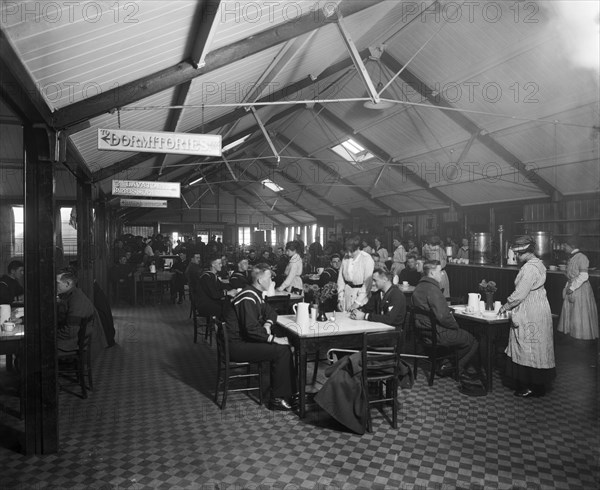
column 142, row 188
column 159, row 142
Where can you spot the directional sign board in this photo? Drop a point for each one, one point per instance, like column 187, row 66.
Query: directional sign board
column 143, row 203
column 159, row 142
column 141, row 188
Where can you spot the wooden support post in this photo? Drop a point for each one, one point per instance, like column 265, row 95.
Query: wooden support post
column 85, row 239
column 39, row 363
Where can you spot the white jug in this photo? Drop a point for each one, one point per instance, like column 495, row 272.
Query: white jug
column 473, row 304
column 302, row 314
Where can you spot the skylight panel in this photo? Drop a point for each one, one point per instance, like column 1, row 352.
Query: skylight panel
column 352, row 152
column 272, row 185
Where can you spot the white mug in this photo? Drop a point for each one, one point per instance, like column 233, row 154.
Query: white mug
column 497, row 306
column 8, row 326
column 482, row 306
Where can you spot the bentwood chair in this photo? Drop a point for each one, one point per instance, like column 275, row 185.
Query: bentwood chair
column 380, row 361
column 76, row 365
column 228, row 370
column 427, row 340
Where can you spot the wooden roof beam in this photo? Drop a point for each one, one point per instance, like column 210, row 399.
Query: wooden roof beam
column 181, row 95
column 137, row 90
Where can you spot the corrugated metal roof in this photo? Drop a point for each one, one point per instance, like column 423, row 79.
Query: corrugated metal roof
column 76, row 49
column 503, row 75
column 240, row 20
column 228, row 85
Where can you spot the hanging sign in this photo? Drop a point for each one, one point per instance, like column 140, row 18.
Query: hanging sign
column 143, row 203
column 142, row 188
column 264, row 226
column 160, row 142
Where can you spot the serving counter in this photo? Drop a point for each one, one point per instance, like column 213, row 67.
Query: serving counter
column 465, row 278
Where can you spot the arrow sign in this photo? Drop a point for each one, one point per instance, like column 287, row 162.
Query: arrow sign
column 159, row 142
column 143, row 203
column 143, row 188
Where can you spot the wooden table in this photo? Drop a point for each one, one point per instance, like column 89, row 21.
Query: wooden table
column 341, row 333
column 12, row 343
column 487, row 329
column 161, row 277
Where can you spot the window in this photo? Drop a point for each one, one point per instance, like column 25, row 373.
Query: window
column 69, row 233
column 352, row 152
column 271, row 185
column 244, row 235
column 17, row 246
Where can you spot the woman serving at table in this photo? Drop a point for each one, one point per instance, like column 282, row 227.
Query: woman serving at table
column 355, row 277
column 293, row 270
column 530, row 344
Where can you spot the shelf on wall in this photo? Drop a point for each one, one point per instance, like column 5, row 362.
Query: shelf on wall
column 556, row 220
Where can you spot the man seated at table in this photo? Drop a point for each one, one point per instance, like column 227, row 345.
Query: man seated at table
column 10, row 284
column 210, row 291
column 73, row 309
column 429, row 297
column 122, row 274
column 387, row 305
column 242, row 277
column 180, row 265
column 248, row 320
column 193, row 272
column 410, row 274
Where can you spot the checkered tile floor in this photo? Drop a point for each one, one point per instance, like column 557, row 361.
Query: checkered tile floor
column 151, row 423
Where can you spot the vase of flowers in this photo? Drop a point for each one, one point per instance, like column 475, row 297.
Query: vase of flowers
column 488, row 288
column 319, row 296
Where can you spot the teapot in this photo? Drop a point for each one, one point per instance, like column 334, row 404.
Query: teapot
column 302, row 314
column 473, row 302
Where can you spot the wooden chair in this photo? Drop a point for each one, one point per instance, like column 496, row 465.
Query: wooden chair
column 76, row 365
column 382, row 370
column 151, row 289
column 427, row 339
column 380, row 360
column 228, row 370
column 196, row 316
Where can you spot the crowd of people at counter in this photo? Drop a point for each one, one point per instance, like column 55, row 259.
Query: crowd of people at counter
column 361, row 278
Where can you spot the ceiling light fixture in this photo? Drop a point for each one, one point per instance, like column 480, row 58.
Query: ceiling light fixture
column 381, row 104
column 196, row 181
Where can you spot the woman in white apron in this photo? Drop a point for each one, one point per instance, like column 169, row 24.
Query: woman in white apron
column 355, row 277
column 399, row 257
column 530, row 345
column 293, row 270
